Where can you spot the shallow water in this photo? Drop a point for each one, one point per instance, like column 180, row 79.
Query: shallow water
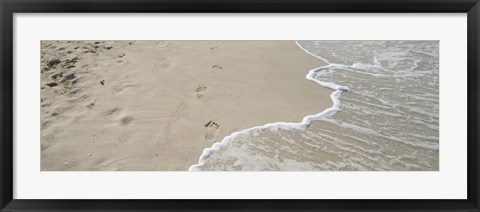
column 387, row 120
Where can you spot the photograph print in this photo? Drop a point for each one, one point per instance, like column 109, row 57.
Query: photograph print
column 228, row 105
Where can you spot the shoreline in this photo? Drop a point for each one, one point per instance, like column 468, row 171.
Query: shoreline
column 306, row 121
column 360, row 133
column 193, row 94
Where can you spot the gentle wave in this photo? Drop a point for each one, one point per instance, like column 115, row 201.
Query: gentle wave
column 389, row 118
column 306, row 121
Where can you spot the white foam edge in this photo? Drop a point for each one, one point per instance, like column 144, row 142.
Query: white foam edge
column 306, row 121
column 314, row 55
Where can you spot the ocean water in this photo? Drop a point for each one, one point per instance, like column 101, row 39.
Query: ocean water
column 384, row 115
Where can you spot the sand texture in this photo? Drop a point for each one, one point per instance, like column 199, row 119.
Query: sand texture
column 155, row 105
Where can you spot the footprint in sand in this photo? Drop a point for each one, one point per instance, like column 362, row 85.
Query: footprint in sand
column 126, row 120
column 118, row 116
column 216, row 68
column 213, row 49
column 201, row 92
column 211, row 130
column 122, row 87
column 162, row 43
column 120, row 61
column 91, row 105
column 161, row 62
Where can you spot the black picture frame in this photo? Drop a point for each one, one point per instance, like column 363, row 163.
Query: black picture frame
column 9, row 7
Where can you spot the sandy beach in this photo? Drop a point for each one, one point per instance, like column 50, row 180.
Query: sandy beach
column 156, row 105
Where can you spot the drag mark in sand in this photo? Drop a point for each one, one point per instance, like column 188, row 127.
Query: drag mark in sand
column 174, row 117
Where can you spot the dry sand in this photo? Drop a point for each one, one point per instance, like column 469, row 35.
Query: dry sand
column 155, row 105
